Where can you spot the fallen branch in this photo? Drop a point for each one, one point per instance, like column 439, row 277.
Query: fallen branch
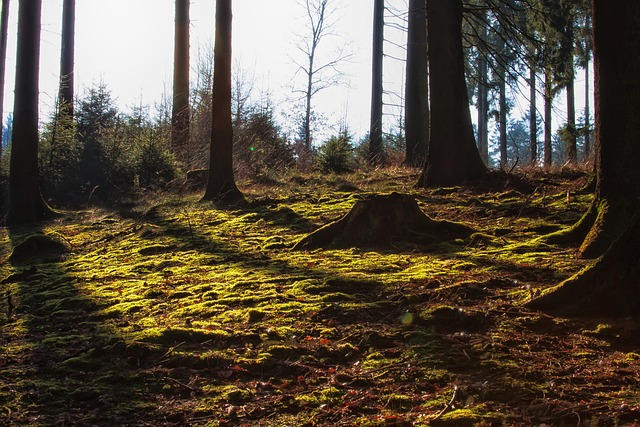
column 449, row 405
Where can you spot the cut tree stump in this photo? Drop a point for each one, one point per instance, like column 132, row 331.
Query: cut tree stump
column 384, row 221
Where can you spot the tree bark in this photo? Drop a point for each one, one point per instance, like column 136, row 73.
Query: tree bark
column 453, row 157
column 180, row 113
column 611, row 285
column 533, row 117
column 572, row 146
column 483, row 102
column 67, row 54
column 417, row 86
column 587, row 113
column 26, row 204
column 548, row 104
column 4, row 29
column 502, row 82
column 376, row 154
column 221, row 186
column 384, row 221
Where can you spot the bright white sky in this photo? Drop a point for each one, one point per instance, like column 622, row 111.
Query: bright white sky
column 128, row 44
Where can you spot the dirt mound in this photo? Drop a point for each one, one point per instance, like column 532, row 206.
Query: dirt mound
column 42, row 247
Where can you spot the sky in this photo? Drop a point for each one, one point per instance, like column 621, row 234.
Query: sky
column 128, row 45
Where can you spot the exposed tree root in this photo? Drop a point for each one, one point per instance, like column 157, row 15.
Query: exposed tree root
column 575, row 234
column 384, row 221
column 611, row 287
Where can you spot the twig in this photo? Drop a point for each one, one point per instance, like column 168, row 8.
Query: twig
column 171, row 350
column 449, row 405
column 186, row 212
column 187, row 386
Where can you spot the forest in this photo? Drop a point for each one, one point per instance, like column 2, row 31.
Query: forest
column 204, row 266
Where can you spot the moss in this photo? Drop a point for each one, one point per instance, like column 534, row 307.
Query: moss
column 40, row 247
column 459, row 418
column 178, row 335
column 85, row 363
column 194, row 310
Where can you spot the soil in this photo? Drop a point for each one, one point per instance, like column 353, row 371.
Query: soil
column 173, row 312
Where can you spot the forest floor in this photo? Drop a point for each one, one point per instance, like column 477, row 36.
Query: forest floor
column 173, row 312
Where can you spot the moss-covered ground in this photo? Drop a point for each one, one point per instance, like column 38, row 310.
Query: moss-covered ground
column 173, row 312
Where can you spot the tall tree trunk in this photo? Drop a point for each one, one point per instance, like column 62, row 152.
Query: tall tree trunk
column 533, row 116
column 548, row 104
column 417, row 86
column 611, row 286
column 180, row 114
column 4, row 29
column 587, row 112
column 502, row 82
column 65, row 100
column 26, row 204
column 307, row 109
column 572, row 146
column 453, row 157
column 221, row 185
column 376, row 154
column 483, row 102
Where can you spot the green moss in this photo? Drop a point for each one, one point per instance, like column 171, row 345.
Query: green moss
column 178, row 335
column 176, row 309
column 85, row 363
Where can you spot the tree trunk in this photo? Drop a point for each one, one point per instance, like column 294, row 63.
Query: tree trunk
column 180, row 113
column 26, row 204
column 4, row 29
column 533, row 117
column 503, row 117
column 572, row 146
column 65, row 100
column 376, row 154
column 483, row 102
column 587, row 113
column 453, row 158
column 221, row 186
column 610, row 287
column 417, row 86
column 548, row 104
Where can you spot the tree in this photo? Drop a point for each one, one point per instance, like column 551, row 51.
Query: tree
column 65, row 95
column 376, row 153
column 180, row 113
column 571, row 141
column 221, row 185
column 417, row 86
column 320, row 74
column 610, row 286
column 453, row 157
column 483, row 91
column 4, row 28
column 96, row 114
column 548, row 117
column 26, row 204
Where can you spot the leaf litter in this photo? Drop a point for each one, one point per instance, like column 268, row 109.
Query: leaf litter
column 173, row 312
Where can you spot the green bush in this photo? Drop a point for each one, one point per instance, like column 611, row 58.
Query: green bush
column 260, row 148
column 59, row 158
column 336, row 155
column 155, row 165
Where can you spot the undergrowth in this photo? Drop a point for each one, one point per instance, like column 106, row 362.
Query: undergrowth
column 173, row 312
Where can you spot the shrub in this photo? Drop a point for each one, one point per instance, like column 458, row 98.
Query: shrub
column 336, row 155
column 155, row 165
column 260, row 147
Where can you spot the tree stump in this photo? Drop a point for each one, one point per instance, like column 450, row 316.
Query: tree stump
column 384, row 221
